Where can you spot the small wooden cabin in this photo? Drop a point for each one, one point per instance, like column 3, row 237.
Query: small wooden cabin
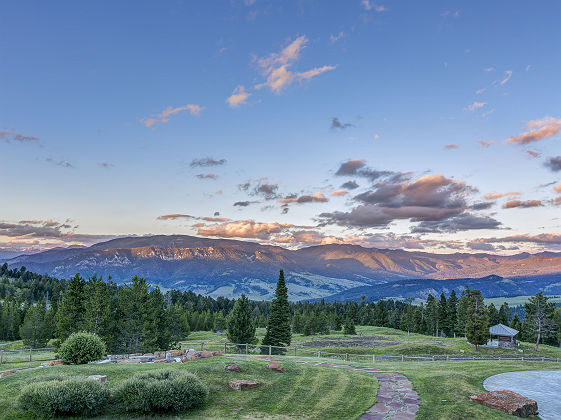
column 505, row 336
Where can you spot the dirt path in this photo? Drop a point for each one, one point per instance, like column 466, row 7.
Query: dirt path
column 396, row 398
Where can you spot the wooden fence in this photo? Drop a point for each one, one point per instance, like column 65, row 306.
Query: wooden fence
column 27, row 355
column 254, row 349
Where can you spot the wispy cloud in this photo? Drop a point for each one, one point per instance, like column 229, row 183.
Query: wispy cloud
column 554, row 163
column 368, row 5
column 511, row 204
column 336, row 124
column 164, row 116
column 451, row 146
column 276, row 67
column 495, row 195
column 238, row 97
column 334, row 38
column 476, row 105
column 205, row 162
column 207, row 176
column 338, row 193
column 538, row 130
column 484, row 143
column 9, row 136
column 307, row 198
column 508, row 75
column 62, row 163
column 105, row 165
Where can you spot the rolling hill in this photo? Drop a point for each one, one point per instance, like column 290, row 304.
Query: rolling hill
column 221, row 267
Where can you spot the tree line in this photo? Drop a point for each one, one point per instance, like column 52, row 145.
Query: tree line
column 134, row 317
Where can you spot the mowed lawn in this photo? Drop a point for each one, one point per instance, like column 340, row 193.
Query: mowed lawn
column 308, row 392
column 444, row 388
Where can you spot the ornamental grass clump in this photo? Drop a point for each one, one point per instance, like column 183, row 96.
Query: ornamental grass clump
column 81, row 348
column 160, row 392
column 72, row 397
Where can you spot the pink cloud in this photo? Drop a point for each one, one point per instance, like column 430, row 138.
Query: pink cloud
column 238, row 97
column 495, row 195
column 338, row 193
column 167, row 113
column 538, row 130
column 523, row 204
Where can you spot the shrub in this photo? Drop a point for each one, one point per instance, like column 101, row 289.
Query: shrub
column 72, row 397
column 161, row 391
column 82, row 348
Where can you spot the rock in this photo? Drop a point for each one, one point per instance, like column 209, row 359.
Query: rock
column 9, row 372
column 241, row 384
column 233, row 368
column 56, row 362
column 202, row 354
column 508, row 401
column 276, row 367
column 160, row 361
column 98, row 378
column 174, row 353
column 177, row 359
column 128, row 361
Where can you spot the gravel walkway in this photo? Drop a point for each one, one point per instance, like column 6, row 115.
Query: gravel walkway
column 396, row 398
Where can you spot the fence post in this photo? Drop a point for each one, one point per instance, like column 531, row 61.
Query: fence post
column 447, row 358
column 346, row 357
column 402, row 358
column 270, row 349
column 224, row 348
column 433, row 358
column 202, row 346
column 1, row 356
column 30, row 354
column 373, row 358
column 294, row 351
column 246, row 349
column 543, row 359
column 319, row 354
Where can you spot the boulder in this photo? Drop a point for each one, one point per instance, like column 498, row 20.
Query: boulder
column 98, row 378
column 276, row 367
column 175, row 353
column 232, row 368
column 241, row 384
column 202, row 354
column 56, row 362
column 128, row 361
column 508, row 401
column 160, row 361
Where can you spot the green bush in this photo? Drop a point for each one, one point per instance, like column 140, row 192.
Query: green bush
column 72, row 397
column 82, row 348
column 161, row 391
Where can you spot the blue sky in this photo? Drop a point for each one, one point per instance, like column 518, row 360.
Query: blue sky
column 447, row 115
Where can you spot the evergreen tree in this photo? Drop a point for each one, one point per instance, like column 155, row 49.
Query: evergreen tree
column 407, row 317
column 157, row 335
column 241, row 329
column 451, row 314
column 516, row 323
column 133, row 306
column 219, row 322
column 278, row 329
column 432, row 315
column 178, row 324
column 337, row 324
column 538, row 322
column 35, row 331
column 297, row 325
column 442, row 315
column 98, row 317
column 381, row 314
column 504, row 314
column 461, row 314
column 493, row 314
column 349, row 328
column 323, row 324
column 308, row 326
column 72, row 310
column 477, row 322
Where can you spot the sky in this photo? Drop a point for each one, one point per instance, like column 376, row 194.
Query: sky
column 392, row 124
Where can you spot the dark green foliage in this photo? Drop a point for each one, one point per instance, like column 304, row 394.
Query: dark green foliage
column 73, row 397
column 36, row 329
column 538, row 323
column 81, row 348
column 349, row 327
column 178, row 324
column 451, row 314
column 461, row 313
column 442, row 317
column 157, row 335
column 477, row 322
column 72, row 311
column 161, row 391
column 278, row 328
column 493, row 314
column 504, row 314
column 516, row 323
column 133, row 308
column 241, row 329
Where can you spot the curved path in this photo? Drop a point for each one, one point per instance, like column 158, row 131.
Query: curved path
column 396, row 398
column 542, row 386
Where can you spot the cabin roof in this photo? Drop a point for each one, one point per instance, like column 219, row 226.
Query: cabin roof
column 503, row 330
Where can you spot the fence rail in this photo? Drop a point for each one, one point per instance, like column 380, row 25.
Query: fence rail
column 27, row 355
column 254, row 349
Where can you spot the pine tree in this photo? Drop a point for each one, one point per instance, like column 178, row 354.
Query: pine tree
column 493, row 314
column 337, row 324
column 98, row 314
column 451, row 314
column 432, row 315
column 219, row 322
column 407, row 317
column 297, row 325
column 241, row 329
column 278, row 328
column 157, row 335
column 178, row 324
column 72, row 310
column 323, row 324
column 35, row 331
column 504, row 314
column 133, row 308
column 477, row 323
column 461, row 314
column 349, row 327
column 442, row 317
column 516, row 323
column 538, row 322
column 308, row 326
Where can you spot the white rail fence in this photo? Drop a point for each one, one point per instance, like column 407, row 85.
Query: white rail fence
column 256, row 349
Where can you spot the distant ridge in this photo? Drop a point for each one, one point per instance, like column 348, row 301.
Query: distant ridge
column 224, row 267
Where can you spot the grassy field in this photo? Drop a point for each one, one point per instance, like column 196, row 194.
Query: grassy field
column 517, row 300
column 302, row 392
column 390, row 342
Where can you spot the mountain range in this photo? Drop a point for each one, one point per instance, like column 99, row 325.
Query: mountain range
column 223, row 267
